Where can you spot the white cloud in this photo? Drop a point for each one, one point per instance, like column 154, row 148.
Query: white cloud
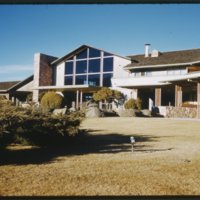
column 10, row 69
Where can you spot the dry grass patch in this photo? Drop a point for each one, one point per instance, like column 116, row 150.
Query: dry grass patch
column 165, row 161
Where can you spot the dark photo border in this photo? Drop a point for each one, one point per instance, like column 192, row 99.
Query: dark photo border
column 100, row 2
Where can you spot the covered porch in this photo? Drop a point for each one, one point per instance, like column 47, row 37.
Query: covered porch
column 75, row 96
column 178, row 93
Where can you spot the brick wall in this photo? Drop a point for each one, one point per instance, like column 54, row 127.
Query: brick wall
column 46, row 70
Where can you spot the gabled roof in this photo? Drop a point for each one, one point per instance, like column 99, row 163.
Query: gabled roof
column 8, row 84
column 78, row 50
column 173, row 58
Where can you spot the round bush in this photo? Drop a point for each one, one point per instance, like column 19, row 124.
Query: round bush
column 51, row 101
column 133, row 104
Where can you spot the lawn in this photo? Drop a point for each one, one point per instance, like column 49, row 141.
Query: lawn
column 165, row 161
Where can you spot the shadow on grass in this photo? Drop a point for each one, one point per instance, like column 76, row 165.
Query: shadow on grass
column 85, row 143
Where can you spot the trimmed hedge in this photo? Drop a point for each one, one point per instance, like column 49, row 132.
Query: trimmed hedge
column 133, row 104
column 51, row 101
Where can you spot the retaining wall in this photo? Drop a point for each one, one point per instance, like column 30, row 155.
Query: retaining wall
column 181, row 112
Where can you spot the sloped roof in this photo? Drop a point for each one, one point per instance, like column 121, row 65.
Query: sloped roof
column 14, row 85
column 8, row 84
column 166, row 58
column 78, row 50
column 65, row 57
column 21, row 83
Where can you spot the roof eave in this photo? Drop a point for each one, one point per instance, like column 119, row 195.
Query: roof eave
column 20, row 83
column 164, row 65
column 68, row 55
column 81, row 48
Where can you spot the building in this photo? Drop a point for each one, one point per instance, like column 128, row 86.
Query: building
column 166, row 78
column 160, row 79
column 17, row 91
column 78, row 74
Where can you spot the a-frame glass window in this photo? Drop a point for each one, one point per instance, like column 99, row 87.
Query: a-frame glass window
column 93, row 53
column 69, row 68
column 81, row 67
column 82, row 54
column 94, row 65
column 108, row 64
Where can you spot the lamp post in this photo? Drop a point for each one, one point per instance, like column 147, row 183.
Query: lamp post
column 132, row 142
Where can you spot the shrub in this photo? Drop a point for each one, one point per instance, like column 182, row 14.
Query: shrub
column 51, row 101
column 4, row 102
column 41, row 94
column 133, row 104
column 48, row 130
column 2, row 97
column 106, row 94
column 27, row 126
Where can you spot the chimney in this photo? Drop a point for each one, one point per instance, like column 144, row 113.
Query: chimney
column 147, row 46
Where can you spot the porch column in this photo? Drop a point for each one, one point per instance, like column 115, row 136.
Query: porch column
column 100, row 105
column 17, row 102
column 7, row 96
column 134, row 94
column 13, row 99
column 178, row 96
column 81, row 98
column 157, row 97
column 77, row 99
column 198, row 100
column 35, row 96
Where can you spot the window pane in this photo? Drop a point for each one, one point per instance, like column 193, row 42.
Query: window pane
column 94, row 53
column 69, row 68
column 107, row 79
column 81, row 67
column 81, row 80
column 82, row 54
column 87, row 96
column 94, row 65
column 68, row 80
column 107, row 64
column 94, row 80
column 107, row 54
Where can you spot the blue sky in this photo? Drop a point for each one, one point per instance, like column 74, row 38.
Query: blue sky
column 122, row 29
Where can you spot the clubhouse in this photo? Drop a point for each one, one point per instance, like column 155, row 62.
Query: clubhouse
column 161, row 79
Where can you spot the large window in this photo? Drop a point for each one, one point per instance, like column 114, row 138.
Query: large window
column 68, row 80
column 107, row 54
column 90, row 66
column 107, row 79
column 94, row 53
column 81, row 67
column 82, row 54
column 68, row 68
column 81, row 79
column 94, row 80
column 108, row 64
column 94, row 66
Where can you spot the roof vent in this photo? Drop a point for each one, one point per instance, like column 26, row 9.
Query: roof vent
column 155, row 53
